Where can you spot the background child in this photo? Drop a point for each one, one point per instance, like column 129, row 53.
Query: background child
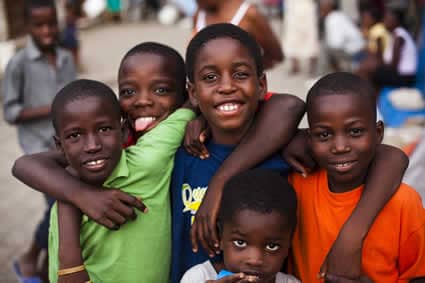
column 397, row 66
column 226, row 83
column 31, row 80
column 245, row 15
column 343, row 40
column 344, row 138
column 257, row 220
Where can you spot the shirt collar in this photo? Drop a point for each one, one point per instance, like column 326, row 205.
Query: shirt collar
column 34, row 53
column 121, row 170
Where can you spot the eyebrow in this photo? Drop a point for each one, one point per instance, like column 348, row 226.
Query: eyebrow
column 234, row 65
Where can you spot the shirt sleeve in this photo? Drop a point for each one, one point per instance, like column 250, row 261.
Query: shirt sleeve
column 412, row 240
column 162, row 142
column 12, row 84
column 196, row 274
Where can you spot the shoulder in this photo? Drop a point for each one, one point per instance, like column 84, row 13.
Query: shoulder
column 286, row 278
column 298, row 180
column 200, row 273
column 406, row 197
column 17, row 60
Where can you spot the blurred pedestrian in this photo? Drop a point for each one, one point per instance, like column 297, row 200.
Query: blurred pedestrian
column 344, row 42
column 69, row 37
column 31, row 80
column 301, row 33
column 246, row 16
column 114, row 7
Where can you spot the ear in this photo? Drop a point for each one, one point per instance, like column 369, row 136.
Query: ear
column 379, row 131
column 262, row 85
column 192, row 94
column 58, row 143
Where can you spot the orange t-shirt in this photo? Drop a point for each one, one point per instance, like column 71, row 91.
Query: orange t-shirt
column 394, row 249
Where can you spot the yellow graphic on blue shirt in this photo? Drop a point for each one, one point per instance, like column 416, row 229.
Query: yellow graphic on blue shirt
column 192, row 199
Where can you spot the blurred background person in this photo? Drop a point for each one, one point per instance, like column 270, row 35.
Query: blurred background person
column 301, row 40
column 344, row 43
column 245, row 15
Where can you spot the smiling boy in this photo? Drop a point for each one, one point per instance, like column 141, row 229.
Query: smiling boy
column 86, row 116
column 344, row 136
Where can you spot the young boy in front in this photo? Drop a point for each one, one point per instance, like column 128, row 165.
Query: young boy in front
column 257, row 220
column 32, row 78
column 344, row 136
column 86, row 116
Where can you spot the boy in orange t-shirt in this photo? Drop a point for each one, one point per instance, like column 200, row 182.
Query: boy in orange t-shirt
column 344, row 135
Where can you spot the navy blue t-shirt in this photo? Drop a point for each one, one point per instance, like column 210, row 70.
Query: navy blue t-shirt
column 189, row 183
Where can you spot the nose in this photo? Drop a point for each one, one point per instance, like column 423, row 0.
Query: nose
column 340, row 145
column 92, row 144
column 226, row 85
column 254, row 258
column 143, row 99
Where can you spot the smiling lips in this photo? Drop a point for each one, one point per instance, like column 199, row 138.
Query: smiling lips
column 143, row 123
column 343, row 166
column 95, row 165
column 229, row 107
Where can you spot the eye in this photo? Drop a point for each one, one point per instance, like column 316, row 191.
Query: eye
column 241, row 75
column 105, row 129
column 161, row 90
column 239, row 243
column 272, row 247
column 322, row 135
column 73, row 136
column 209, row 77
column 127, row 92
column 356, row 132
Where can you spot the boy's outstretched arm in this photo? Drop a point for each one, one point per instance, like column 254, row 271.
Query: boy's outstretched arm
column 273, row 128
column 384, row 178
column 46, row 173
column 69, row 219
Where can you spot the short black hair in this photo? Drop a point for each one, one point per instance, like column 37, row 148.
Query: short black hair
column 34, row 4
column 81, row 89
column 260, row 190
column 169, row 53
column 223, row 30
column 342, row 83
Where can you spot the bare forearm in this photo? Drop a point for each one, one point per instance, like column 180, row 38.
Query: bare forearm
column 45, row 172
column 30, row 114
column 69, row 219
column 273, row 128
column 379, row 188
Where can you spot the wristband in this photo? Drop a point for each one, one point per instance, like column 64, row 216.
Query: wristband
column 71, row 270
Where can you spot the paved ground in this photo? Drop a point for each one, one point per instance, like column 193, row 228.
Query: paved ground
column 102, row 49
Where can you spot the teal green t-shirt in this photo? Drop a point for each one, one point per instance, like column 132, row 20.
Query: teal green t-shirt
column 140, row 250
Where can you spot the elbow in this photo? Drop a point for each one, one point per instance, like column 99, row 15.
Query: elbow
column 17, row 167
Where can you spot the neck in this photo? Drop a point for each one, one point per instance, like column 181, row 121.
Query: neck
column 343, row 187
column 229, row 137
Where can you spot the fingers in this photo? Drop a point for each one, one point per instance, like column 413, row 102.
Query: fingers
column 193, row 236
column 234, row 278
column 213, row 239
column 134, row 201
column 297, row 166
column 203, row 237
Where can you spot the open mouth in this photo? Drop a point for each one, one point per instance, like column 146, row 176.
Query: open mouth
column 343, row 166
column 229, row 108
column 95, row 165
column 143, row 123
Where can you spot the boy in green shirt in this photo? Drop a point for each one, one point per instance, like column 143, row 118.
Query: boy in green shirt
column 86, row 117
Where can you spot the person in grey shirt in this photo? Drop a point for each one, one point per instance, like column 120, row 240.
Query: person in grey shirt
column 32, row 78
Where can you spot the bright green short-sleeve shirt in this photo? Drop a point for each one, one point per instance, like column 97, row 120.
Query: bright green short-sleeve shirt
column 140, row 250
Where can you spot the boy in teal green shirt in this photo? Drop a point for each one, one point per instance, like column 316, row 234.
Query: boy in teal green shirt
column 88, row 133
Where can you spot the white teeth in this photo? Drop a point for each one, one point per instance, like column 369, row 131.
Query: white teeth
column 342, row 165
column 228, row 107
column 95, row 162
column 147, row 119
